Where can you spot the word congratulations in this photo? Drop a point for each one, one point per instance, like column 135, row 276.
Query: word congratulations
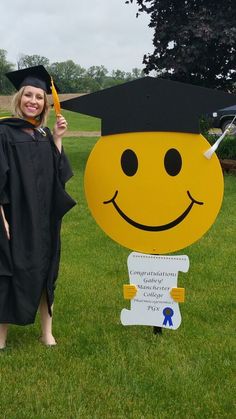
column 151, row 273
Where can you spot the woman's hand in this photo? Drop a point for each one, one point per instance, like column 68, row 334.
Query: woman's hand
column 60, row 126
column 59, row 130
column 6, row 225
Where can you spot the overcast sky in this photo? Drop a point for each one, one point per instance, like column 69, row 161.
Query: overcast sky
column 90, row 32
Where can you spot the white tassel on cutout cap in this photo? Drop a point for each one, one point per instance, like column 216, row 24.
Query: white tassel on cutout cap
column 210, row 151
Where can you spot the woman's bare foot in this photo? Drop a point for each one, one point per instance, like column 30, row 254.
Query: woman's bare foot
column 46, row 337
column 3, row 335
column 48, row 340
column 2, row 345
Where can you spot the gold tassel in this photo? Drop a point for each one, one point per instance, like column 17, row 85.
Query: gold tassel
column 56, row 101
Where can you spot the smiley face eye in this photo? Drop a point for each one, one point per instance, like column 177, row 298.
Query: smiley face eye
column 129, row 162
column 173, row 162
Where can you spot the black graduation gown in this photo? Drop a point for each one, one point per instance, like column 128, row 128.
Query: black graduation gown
column 32, row 178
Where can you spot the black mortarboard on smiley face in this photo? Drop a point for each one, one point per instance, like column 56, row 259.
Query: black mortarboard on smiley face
column 36, row 76
column 150, row 104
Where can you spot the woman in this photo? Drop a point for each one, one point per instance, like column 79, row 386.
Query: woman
column 33, row 173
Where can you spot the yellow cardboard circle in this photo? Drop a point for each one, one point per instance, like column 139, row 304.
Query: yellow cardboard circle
column 153, row 211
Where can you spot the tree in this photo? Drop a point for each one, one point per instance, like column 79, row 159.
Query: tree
column 67, row 75
column 31, row 60
column 136, row 73
column 194, row 40
column 5, row 86
column 97, row 76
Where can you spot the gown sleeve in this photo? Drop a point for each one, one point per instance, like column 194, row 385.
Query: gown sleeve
column 5, row 256
column 64, row 168
column 4, row 198
column 61, row 161
column 63, row 202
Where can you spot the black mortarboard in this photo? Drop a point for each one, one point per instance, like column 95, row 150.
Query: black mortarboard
column 36, row 76
column 150, row 104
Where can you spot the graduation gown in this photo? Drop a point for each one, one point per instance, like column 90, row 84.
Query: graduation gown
column 33, row 174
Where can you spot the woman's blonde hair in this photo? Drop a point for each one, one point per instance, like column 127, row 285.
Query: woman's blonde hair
column 16, row 101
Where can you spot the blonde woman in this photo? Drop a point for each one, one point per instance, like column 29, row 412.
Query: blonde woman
column 33, row 173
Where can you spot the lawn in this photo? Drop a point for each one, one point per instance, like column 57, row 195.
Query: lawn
column 101, row 369
column 76, row 122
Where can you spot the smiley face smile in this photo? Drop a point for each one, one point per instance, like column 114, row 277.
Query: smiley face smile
column 163, row 227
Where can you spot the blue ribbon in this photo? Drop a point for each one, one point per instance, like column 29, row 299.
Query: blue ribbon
column 168, row 313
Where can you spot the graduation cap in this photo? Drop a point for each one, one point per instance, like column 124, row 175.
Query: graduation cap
column 150, row 104
column 36, row 76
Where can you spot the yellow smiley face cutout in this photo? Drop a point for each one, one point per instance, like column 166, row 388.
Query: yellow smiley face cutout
column 153, row 192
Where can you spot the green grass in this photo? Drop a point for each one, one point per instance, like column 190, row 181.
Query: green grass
column 76, row 121
column 101, row 369
column 4, row 113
